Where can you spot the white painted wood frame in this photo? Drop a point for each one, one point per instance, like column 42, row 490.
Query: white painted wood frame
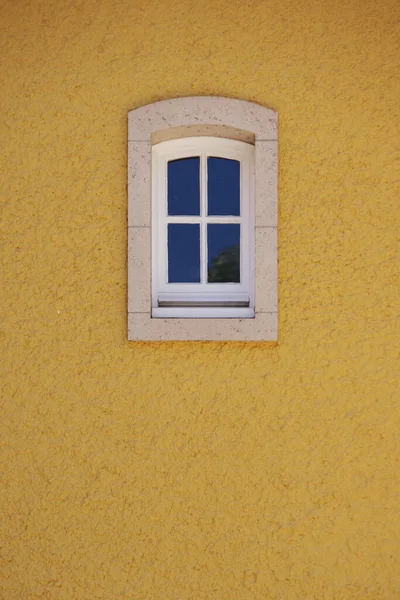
column 200, row 294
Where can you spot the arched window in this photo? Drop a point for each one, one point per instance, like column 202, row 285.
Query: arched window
column 202, row 258
column 202, row 228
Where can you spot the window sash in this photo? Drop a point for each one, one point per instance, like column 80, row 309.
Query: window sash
column 235, row 296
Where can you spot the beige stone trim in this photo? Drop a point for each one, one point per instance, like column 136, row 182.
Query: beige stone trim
column 142, row 327
column 219, row 131
column 139, row 266
column 266, row 159
column 139, row 181
column 202, row 110
column 220, row 117
column 266, row 270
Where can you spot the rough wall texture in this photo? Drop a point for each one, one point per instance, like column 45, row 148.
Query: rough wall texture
column 198, row 471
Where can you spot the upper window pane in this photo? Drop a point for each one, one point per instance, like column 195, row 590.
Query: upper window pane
column 184, row 186
column 223, row 176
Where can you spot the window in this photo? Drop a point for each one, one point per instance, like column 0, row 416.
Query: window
column 202, row 228
column 202, row 217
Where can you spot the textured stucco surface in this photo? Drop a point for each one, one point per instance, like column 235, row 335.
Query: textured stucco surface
column 198, row 471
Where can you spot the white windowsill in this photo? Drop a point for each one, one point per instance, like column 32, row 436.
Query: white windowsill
column 202, row 313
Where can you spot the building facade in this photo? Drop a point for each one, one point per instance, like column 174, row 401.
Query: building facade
column 199, row 470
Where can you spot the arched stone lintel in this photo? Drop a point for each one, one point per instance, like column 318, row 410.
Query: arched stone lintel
column 146, row 123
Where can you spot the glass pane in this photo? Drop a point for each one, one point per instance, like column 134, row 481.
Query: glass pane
column 183, row 253
column 223, row 253
column 184, row 186
column 223, row 186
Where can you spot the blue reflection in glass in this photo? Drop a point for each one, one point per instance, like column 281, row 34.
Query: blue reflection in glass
column 184, row 186
column 223, row 186
column 223, row 253
column 183, row 253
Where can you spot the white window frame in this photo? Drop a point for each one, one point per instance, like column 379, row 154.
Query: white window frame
column 202, row 300
column 196, row 117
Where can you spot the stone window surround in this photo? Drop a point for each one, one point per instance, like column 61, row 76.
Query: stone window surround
column 211, row 116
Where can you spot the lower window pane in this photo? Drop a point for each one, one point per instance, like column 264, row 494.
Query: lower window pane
column 223, row 253
column 183, row 253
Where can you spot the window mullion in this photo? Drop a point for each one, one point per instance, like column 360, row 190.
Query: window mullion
column 203, row 222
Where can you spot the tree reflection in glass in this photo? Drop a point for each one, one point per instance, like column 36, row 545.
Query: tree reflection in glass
column 223, row 253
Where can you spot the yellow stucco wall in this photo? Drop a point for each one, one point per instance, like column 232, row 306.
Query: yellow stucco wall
column 198, row 471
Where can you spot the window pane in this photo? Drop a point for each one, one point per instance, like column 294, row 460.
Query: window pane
column 184, row 186
column 183, row 253
column 223, row 253
column 223, row 186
